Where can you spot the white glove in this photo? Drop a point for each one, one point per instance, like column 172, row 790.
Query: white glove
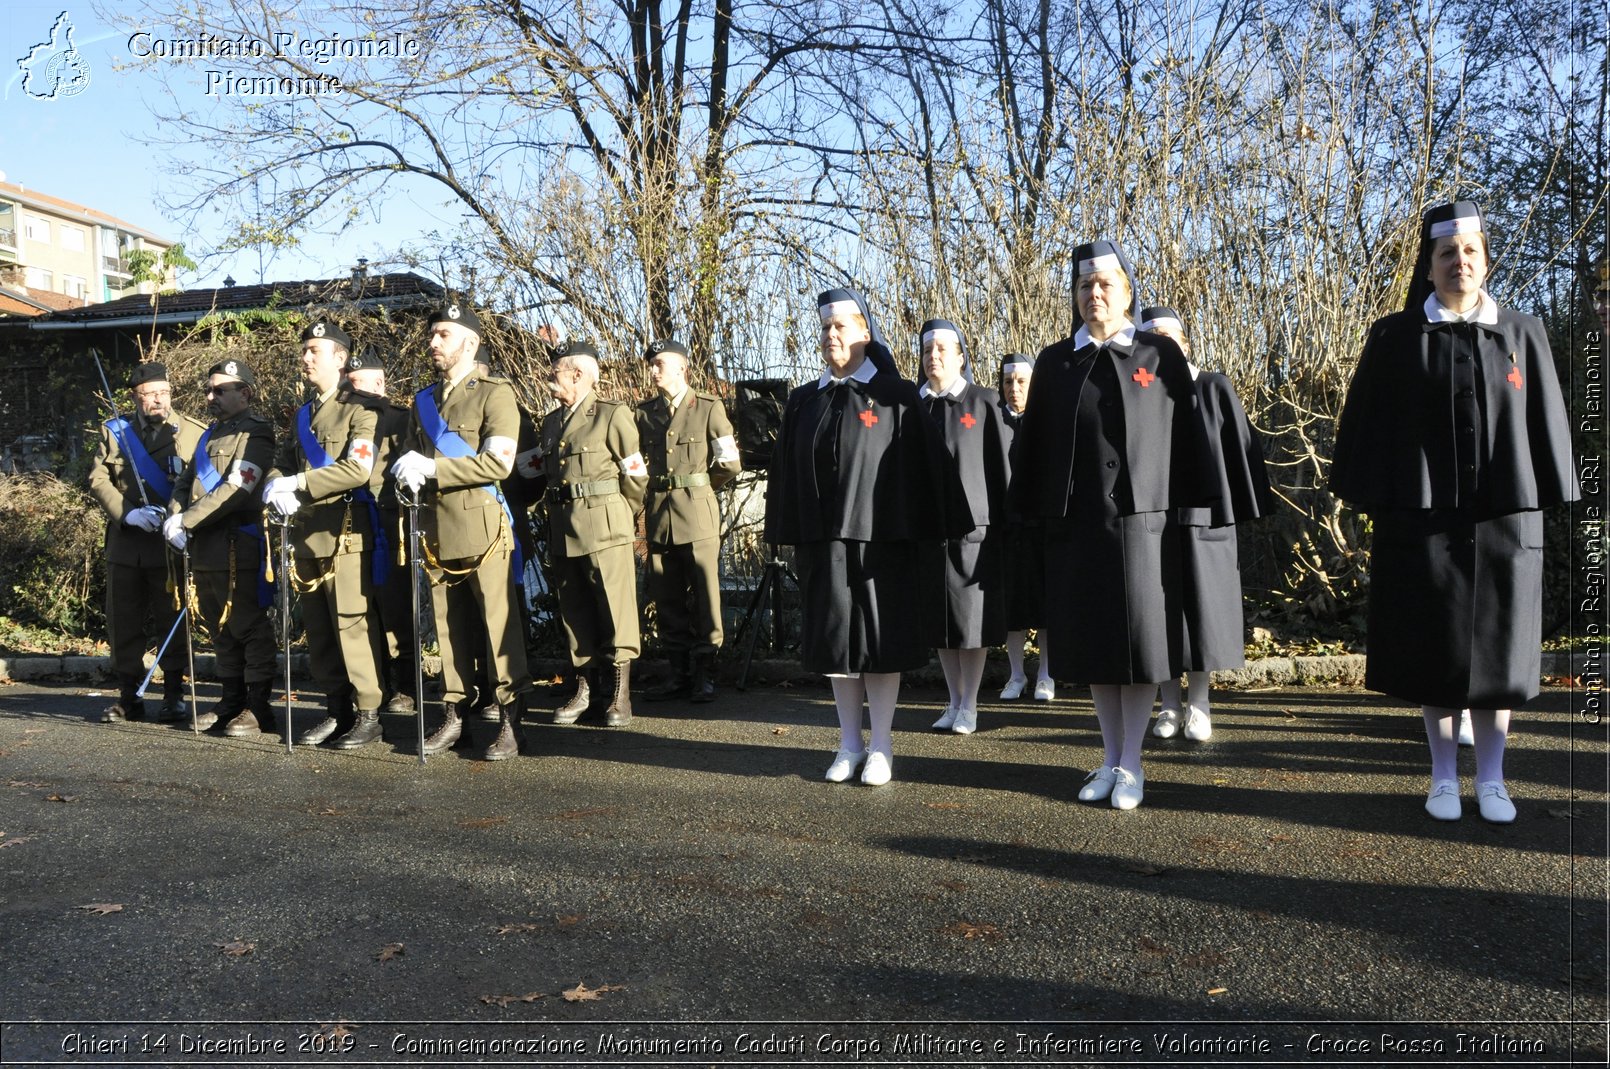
column 411, row 479
column 173, row 530
column 283, row 502
column 146, row 518
column 284, row 484
column 414, row 462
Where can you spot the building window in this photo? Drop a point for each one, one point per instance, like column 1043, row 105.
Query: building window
column 36, row 278
column 35, row 228
column 74, row 286
column 72, row 238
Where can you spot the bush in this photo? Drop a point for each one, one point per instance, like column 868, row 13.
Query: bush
column 51, row 571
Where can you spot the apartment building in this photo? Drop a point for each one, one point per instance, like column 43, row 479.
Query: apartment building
column 56, row 246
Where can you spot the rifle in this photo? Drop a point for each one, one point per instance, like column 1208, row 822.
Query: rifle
column 189, row 643
column 273, row 518
column 416, row 566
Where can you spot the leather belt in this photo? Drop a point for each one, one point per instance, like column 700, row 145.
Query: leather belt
column 678, row 482
column 572, row 491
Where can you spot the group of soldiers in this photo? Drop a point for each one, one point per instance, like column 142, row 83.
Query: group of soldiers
column 194, row 512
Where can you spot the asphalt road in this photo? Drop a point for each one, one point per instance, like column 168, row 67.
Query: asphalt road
column 1280, row 897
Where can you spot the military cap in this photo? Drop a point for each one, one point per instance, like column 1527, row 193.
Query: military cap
column 150, row 371
column 365, row 359
column 235, row 369
column 324, row 328
column 665, row 345
column 455, row 312
column 576, row 347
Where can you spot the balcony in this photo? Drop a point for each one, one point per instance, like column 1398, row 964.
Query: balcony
column 8, row 237
column 114, row 265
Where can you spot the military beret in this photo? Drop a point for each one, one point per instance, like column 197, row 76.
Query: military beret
column 453, row 312
column 365, row 359
column 576, row 347
column 235, row 369
column 150, row 371
column 665, row 345
column 324, row 328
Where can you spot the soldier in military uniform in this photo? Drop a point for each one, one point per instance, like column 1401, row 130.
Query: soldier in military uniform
column 366, row 380
column 132, row 477
column 596, row 479
column 462, row 439
column 320, row 479
column 690, row 451
column 216, row 515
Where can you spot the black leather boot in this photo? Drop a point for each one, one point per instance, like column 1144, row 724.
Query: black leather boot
column 173, row 707
column 679, row 684
column 571, row 711
column 703, row 685
column 619, row 713
column 244, row 723
column 127, row 706
column 260, row 702
column 337, row 718
column 446, row 733
column 401, row 700
column 510, row 734
column 364, row 731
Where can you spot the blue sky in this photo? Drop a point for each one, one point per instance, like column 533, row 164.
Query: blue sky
column 86, row 148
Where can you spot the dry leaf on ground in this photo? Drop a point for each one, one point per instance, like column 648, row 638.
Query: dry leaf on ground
column 389, row 951
column 970, row 930
column 237, row 947
column 61, row 797
column 504, row 1000
column 582, row 993
column 1218, row 990
column 568, row 920
column 103, row 908
column 337, row 1030
column 784, row 730
column 14, row 842
column 509, row 929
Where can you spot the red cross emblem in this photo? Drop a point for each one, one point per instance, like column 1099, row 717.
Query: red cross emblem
column 1514, row 377
column 362, row 451
column 1143, row 377
column 247, row 476
column 968, row 420
column 867, row 418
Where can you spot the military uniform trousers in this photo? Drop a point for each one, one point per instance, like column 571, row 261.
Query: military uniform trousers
column 476, row 611
column 341, row 618
column 598, row 605
column 684, row 582
column 244, row 645
column 139, row 611
column 398, row 619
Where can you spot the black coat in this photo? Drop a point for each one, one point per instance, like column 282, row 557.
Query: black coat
column 1396, row 443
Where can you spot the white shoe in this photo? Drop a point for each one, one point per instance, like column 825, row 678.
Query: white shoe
column 1167, row 724
column 1013, row 689
column 966, row 721
column 1496, row 808
column 1098, row 785
column 1044, row 690
column 1197, row 728
column 877, row 771
column 945, row 722
column 1467, row 734
column 845, row 762
column 1128, row 788
column 1443, row 801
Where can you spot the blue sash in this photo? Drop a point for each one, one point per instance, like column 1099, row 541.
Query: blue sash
column 146, row 468
column 449, row 444
column 209, row 478
column 380, row 559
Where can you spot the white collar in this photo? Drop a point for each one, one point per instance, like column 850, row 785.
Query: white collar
column 1485, row 312
column 953, row 390
column 863, row 373
column 1123, row 338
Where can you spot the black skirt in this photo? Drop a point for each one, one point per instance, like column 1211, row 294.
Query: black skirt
column 859, row 607
column 1211, row 598
column 1456, row 608
column 1112, row 600
column 964, row 595
column 1024, row 565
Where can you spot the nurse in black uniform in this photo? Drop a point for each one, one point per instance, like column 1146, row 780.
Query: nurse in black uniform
column 858, row 478
column 1453, row 439
column 1025, row 552
column 1209, row 554
column 1112, row 441
column 964, row 579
